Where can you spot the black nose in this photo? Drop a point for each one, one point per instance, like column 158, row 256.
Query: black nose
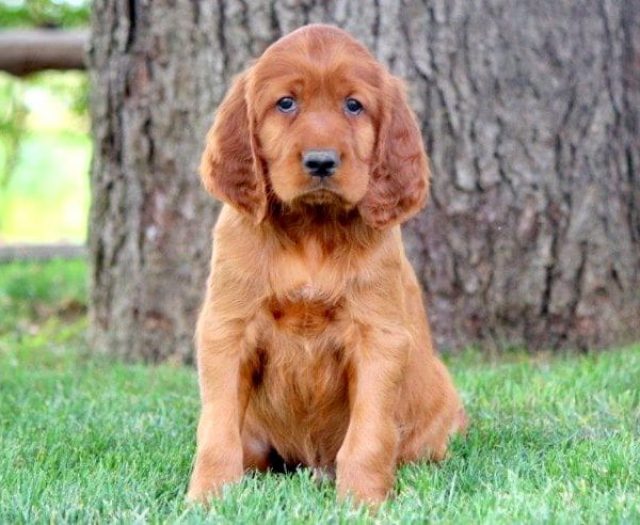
column 320, row 162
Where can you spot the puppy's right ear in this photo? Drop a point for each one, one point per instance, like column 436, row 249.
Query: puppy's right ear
column 229, row 167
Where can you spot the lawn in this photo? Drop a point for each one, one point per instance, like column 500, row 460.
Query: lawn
column 84, row 439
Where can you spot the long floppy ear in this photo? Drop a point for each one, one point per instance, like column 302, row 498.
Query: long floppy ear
column 229, row 167
column 399, row 182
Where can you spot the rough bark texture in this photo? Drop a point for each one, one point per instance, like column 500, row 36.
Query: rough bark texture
column 531, row 116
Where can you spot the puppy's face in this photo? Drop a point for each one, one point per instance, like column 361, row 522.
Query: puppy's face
column 317, row 109
column 316, row 120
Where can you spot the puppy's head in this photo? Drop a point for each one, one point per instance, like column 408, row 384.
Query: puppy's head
column 316, row 120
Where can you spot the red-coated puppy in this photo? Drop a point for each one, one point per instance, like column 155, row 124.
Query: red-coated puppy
column 313, row 342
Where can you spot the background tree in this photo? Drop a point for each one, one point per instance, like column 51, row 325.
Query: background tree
column 530, row 113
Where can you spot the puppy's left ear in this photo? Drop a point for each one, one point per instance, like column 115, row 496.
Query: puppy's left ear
column 230, row 169
column 399, row 182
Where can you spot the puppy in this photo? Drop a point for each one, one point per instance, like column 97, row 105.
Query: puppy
column 313, row 343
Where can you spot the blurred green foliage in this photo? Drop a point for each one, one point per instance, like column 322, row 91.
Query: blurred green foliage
column 44, row 142
column 70, row 90
column 12, row 124
column 44, row 157
column 44, row 13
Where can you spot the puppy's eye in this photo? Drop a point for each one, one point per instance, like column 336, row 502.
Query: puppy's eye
column 353, row 106
column 286, row 104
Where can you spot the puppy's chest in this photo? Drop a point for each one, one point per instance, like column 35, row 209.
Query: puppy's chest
column 307, row 294
column 304, row 312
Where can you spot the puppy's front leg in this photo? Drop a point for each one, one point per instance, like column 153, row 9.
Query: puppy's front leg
column 219, row 450
column 367, row 459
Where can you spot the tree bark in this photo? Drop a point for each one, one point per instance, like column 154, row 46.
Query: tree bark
column 25, row 51
column 530, row 111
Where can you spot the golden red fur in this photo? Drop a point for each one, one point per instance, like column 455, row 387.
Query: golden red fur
column 313, row 342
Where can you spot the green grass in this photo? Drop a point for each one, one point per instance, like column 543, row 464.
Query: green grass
column 40, row 303
column 82, row 439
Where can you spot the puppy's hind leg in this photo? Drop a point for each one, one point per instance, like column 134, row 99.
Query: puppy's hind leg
column 437, row 414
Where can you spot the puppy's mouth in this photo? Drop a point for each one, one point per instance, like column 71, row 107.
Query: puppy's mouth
column 322, row 194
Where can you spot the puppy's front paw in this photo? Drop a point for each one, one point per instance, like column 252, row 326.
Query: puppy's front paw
column 211, row 474
column 365, row 485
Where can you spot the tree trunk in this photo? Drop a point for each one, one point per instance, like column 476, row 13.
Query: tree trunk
column 530, row 111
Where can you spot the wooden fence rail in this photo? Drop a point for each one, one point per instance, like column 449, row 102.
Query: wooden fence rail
column 25, row 51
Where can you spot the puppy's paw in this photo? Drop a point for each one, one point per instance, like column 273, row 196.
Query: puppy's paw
column 211, row 475
column 363, row 485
